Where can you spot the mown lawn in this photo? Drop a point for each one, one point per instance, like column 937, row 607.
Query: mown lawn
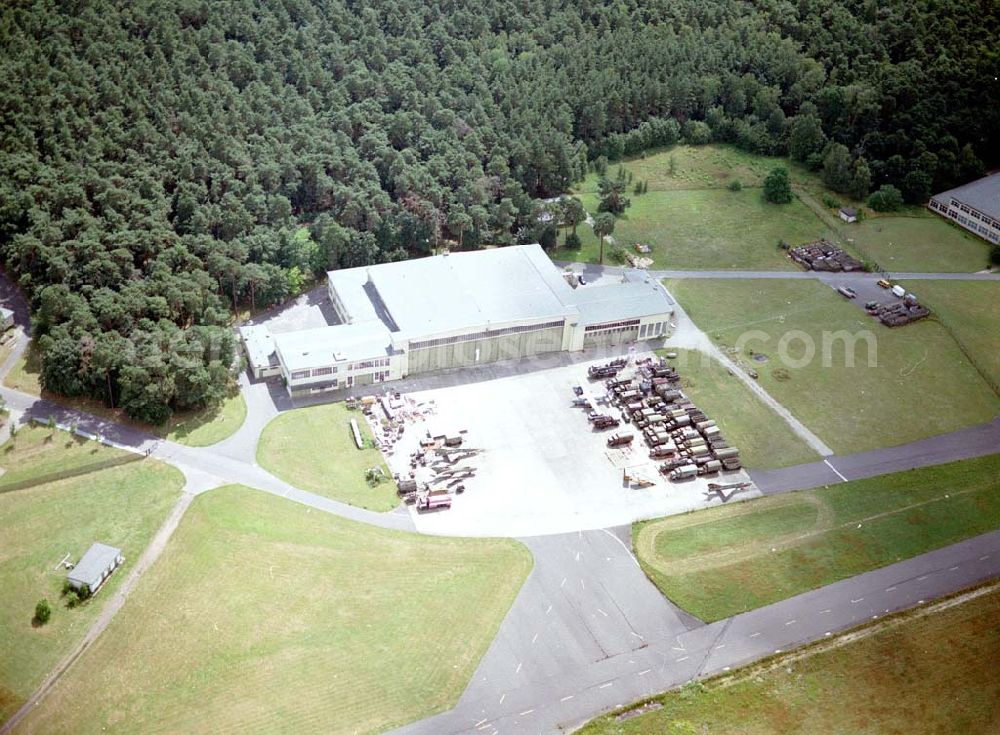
column 692, row 221
column 313, row 449
column 264, row 616
column 923, row 243
column 920, row 383
column 763, row 437
column 723, row 561
column 193, row 428
column 926, row 675
column 122, row 506
column 971, row 311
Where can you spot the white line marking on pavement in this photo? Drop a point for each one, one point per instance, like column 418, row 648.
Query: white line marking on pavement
column 721, row 645
column 921, row 579
column 644, row 672
column 503, row 697
column 534, row 638
column 480, row 722
column 602, row 612
column 578, row 556
column 790, row 622
column 582, row 585
column 487, row 726
column 622, row 544
column 890, row 589
column 518, row 669
column 824, row 612
column 827, row 463
column 566, row 698
column 549, row 610
column 682, row 658
column 606, row 685
column 984, row 557
column 754, row 635
column 563, row 582
column 855, row 602
column 952, row 569
column 526, row 712
column 637, row 635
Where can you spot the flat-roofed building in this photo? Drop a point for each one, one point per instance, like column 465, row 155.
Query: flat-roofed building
column 975, row 206
column 6, row 319
column 461, row 309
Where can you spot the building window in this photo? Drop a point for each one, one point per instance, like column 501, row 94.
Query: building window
column 300, row 374
column 322, row 371
column 485, row 334
column 613, row 326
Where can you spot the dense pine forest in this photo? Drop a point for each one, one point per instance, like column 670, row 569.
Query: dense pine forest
column 161, row 157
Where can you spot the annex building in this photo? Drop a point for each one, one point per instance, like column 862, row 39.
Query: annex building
column 975, row 206
column 455, row 310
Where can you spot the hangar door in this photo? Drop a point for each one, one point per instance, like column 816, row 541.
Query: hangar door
column 486, row 346
column 611, row 333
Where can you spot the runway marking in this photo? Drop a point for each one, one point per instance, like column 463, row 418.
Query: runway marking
column 622, row 544
column 855, row 602
column 637, row 635
column 526, row 712
column 534, row 638
column 984, row 557
column 582, row 585
column 602, row 612
column 578, row 556
column 827, row 463
column 754, row 635
column 682, row 658
column 790, row 622
column 480, row 722
column 566, row 698
column 563, row 582
column 518, row 669
column 952, row 569
column 824, row 612
column 549, row 610
column 644, row 672
column 606, row 685
column 921, row 579
column 721, row 645
column 890, row 589
column 487, row 726
column 503, row 697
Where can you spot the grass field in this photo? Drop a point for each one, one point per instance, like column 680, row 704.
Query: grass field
column 313, row 449
column 923, row 675
column 692, row 221
column 262, row 616
column 921, row 384
column 924, row 243
column 40, row 525
column 723, row 561
column 764, row 439
column 194, row 428
column 971, row 311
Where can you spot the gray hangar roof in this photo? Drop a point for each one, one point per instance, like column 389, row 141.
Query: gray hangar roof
column 982, row 194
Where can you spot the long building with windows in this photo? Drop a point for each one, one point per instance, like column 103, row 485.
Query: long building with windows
column 975, row 206
column 456, row 310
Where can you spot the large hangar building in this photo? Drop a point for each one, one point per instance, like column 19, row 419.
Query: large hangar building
column 456, row 310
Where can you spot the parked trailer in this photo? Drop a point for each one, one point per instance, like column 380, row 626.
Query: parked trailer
column 434, row 500
column 711, row 467
column 684, row 472
column 663, row 451
column 728, row 453
column 620, row 440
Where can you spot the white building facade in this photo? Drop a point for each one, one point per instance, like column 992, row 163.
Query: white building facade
column 975, row 206
column 459, row 310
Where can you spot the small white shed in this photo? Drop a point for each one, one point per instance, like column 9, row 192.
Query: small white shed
column 95, row 567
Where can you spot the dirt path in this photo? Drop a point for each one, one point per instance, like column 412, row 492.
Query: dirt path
column 111, row 608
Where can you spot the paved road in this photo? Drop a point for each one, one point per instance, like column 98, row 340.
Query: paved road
column 975, row 441
column 595, row 271
column 540, row 696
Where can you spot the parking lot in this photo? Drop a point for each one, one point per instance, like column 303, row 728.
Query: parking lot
column 541, row 468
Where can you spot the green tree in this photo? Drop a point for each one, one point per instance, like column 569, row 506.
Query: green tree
column 43, row 611
column 777, row 187
column 604, row 226
column 612, row 195
column 887, row 199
